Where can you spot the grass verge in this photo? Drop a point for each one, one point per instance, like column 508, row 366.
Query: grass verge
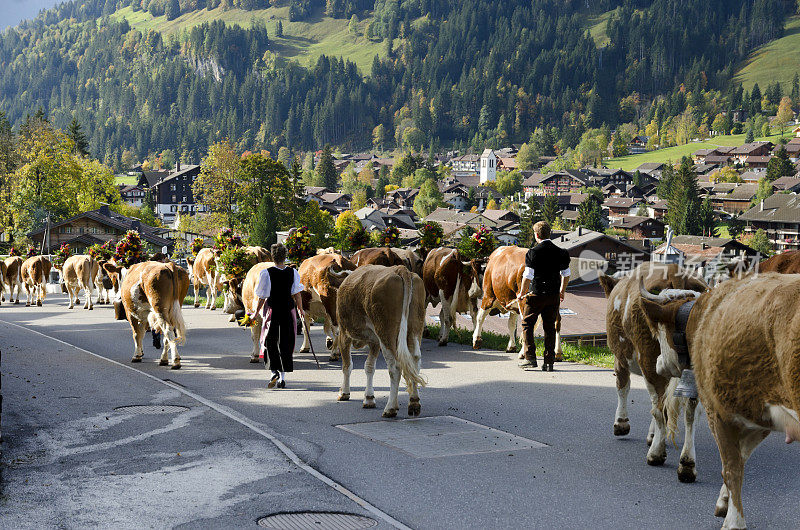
column 189, row 300
column 593, row 355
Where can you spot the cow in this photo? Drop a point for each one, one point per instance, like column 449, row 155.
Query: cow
column 105, row 283
column 322, row 286
column 785, row 263
column 204, row 272
column 232, row 288
column 501, row 284
column 152, row 294
column 742, row 339
column 250, row 302
column 79, row 272
column 3, row 272
column 453, row 282
column 384, row 309
column 636, row 349
column 377, row 256
column 12, row 278
column 410, row 258
column 35, row 272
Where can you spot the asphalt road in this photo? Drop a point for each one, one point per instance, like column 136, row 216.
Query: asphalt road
column 548, row 459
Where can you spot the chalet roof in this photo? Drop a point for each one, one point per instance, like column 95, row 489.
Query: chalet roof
column 752, row 176
column 466, row 158
column 621, row 202
column 153, row 177
column 742, row 192
column 786, row 183
column 753, row 159
column 721, row 188
column 185, row 169
column 632, row 221
column 752, row 147
column 703, row 152
column 584, row 236
column 780, row 207
column 317, row 190
column 717, row 159
column 702, row 169
column 497, row 215
column 332, row 197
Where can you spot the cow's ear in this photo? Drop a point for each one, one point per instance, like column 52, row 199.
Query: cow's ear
column 607, row 282
column 111, row 268
column 656, row 312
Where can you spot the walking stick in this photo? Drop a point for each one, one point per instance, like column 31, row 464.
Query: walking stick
column 308, row 333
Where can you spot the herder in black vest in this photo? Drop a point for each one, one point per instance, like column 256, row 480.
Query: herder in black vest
column 543, row 285
column 279, row 287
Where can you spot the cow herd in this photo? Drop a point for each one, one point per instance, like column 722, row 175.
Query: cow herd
column 740, row 336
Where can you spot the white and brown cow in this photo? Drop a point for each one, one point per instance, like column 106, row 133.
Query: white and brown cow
column 453, row 282
column 383, row 308
column 501, row 284
column 377, row 256
column 250, row 302
column 205, row 273
column 3, row 272
column 410, row 258
column 636, row 349
column 232, row 291
column 152, row 294
column 35, row 272
column 319, row 276
column 79, row 273
column 105, row 283
column 742, row 338
column 12, row 278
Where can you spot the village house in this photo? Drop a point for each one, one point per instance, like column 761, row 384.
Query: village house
column 619, row 254
column 638, row 227
column 779, row 216
column 737, row 200
column 173, row 193
column 700, row 251
column 754, row 149
column 133, row 195
column 638, row 145
column 404, row 197
column 786, row 184
column 618, row 207
column 375, row 219
column 465, row 164
column 98, row 226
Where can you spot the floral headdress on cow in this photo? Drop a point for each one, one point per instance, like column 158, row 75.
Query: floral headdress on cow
column 358, row 239
column 61, row 255
column 129, row 250
column 227, row 238
column 102, row 252
column 13, row 251
column 430, row 235
column 476, row 244
column 390, row 236
column 299, row 245
column 197, row 245
column 32, row 252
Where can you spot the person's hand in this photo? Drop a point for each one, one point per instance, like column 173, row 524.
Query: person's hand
column 301, row 313
column 561, row 295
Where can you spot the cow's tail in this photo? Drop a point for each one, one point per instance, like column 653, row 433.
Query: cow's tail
column 176, row 312
column 408, row 365
column 672, row 409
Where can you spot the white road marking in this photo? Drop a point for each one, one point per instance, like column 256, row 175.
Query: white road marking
column 243, row 421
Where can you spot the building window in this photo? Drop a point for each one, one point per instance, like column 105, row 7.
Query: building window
column 173, row 208
column 172, row 187
column 174, row 198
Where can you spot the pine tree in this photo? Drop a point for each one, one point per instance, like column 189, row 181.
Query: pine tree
column 780, row 166
column 326, row 170
column 749, row 137
column 173, row 9
column 75, row 133
column 550, row 209
column 279, row 29
column 264, row 225
column 795, row 95
column 683, row 203
column 707, row 217
column 589, row 215
column 529, row 217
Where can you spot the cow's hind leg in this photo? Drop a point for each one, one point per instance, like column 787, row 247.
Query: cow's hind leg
column 392, row 405
column 89, row 295
column 622, row 424
column 255, row 334
column 657, row 454
column 171, row 343
column 445, row 319
column 369, row 369
column 347, row 367
column 477, row 341
column 414, row 407
column 138, row 329
column 686, row 468
column 196, row 289
column 306, row 347
column 71, row 295
column 511, row 347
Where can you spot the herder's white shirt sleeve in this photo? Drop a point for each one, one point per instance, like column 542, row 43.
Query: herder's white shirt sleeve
column 296, row 285
column 528, row 274
column 565, row 273
column 264, row 286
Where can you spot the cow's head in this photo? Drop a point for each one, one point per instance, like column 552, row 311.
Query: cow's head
column 104, row 277
column 336, row 277
column 233, row 296
column 472, row 278
column 660, row 311
column 607, row 282
column 114, row 272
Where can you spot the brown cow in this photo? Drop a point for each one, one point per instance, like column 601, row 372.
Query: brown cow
column 384, row 309
column 12, row 278
column 79, row 272
column 152, row 295
column 105, row 284
column 742, row 338
column 3, row 272
column 35, row 273
column 232, row 291
column 785, row 263
column 314, row 275
column 637, row 350
column 501, row 284
column 455, row 283
column 204, row 272
column 377, row 256
column 250, row 302
column 411, row 259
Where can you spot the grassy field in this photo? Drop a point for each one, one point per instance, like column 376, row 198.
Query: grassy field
column 596, row 356
column 127, row 180
column 303, row 41
column 778, row 60
column 597, row 25
column 189, row 301
column 631, row 162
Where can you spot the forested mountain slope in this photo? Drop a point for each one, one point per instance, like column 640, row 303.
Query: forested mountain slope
column 458, row 71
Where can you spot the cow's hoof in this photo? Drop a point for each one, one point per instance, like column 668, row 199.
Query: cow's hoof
column 442, row 343
column 333, row 358
column 304, row 350
column 176, row 366
column 559, row 357
column 414, row 408
column 328, row 342
column 369, row 402
column 136, row 359
column 91, row 308
column 511, row 349
column 721, row 509
column 254, row 360
column 656, row 460
column 232, row 318
column 39, row 303
column 163, row 362
column 622, row 427
column 391, row 413
column 649, row 440
column 212, row 308
column 521, row 355
column 196, row 306
column 16, row 302
column 477, row 343
column 687, row 472
column 71, row 307
column 343, row 397
column 27, row 304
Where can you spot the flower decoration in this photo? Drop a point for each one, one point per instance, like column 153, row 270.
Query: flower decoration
column 197, row 245
column 226, row 238
column 358, row 239
column 13, row 251
column 32, row 252
column 430, row 235
column 102, row 252
column 61, row 255
column 299, row 245
column 483, row 242
column 390, row 237
column 129, row 250
column 234, row 262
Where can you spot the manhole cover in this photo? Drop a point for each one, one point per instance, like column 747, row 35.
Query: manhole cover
column 151, row 409
column 438, row 436
column 316, row 520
